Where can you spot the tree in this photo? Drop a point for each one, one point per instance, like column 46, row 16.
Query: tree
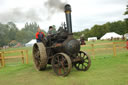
column 126, row 12
column 4, row 31
column 12, row 30
column 126, row 19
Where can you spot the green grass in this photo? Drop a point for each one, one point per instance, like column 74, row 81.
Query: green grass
column 106, row 69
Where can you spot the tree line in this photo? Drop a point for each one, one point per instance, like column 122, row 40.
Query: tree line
column 9, row 32
column 120, row 27
column 98, row 31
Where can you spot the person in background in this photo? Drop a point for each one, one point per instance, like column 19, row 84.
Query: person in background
column 39, row 35
column 51, row 31
column 127, row 44
column 82, row 40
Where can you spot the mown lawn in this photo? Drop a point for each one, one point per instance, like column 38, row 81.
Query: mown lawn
column 105, row 70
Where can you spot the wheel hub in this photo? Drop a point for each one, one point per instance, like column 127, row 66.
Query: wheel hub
column 81, row 60
column 59, row 65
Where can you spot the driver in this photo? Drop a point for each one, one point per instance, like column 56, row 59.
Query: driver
column 51, row 31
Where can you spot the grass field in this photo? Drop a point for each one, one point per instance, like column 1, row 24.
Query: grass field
column 106, row 69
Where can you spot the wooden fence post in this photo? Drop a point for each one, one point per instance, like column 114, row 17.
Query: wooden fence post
column 22, row 57
column 3, row 60
column 26, row 56
column 93, row 52
column 114, row 49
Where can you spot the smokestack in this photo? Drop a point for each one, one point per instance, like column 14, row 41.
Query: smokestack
column 68, row 18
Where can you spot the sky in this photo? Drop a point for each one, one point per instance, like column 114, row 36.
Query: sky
column 85, row 13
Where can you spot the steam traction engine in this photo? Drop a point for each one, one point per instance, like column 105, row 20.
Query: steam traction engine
column 61, row 50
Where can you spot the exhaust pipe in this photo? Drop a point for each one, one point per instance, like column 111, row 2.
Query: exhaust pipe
column 67, row 10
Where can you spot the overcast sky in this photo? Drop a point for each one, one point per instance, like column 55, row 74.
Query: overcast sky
column 85, row 13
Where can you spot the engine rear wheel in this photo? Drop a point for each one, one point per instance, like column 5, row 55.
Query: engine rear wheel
column 39, row 56
column 85, row 62
column 61, row 64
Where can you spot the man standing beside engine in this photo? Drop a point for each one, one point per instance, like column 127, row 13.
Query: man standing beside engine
column 39, row 35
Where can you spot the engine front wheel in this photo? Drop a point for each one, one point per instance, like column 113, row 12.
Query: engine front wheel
column 61, row 64
column 85, row 62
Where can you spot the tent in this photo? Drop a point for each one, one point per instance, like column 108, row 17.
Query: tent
column 110, row 35
column 31, row 43
column 126, row 35
column 92, row 38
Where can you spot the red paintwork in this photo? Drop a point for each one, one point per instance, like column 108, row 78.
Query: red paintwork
column 127, row 44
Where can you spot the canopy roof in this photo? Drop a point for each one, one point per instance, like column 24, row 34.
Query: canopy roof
column 31, row 42
column 110, row 35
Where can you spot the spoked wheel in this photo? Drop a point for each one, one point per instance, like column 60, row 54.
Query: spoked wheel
column 39, row 56
column 85, row 62
column 61, row 64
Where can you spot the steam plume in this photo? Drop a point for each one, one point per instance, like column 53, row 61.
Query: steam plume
column 54, row 6
column 18, row 15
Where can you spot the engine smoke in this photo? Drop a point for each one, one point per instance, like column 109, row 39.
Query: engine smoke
column 54, row 6
column 18, row 15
